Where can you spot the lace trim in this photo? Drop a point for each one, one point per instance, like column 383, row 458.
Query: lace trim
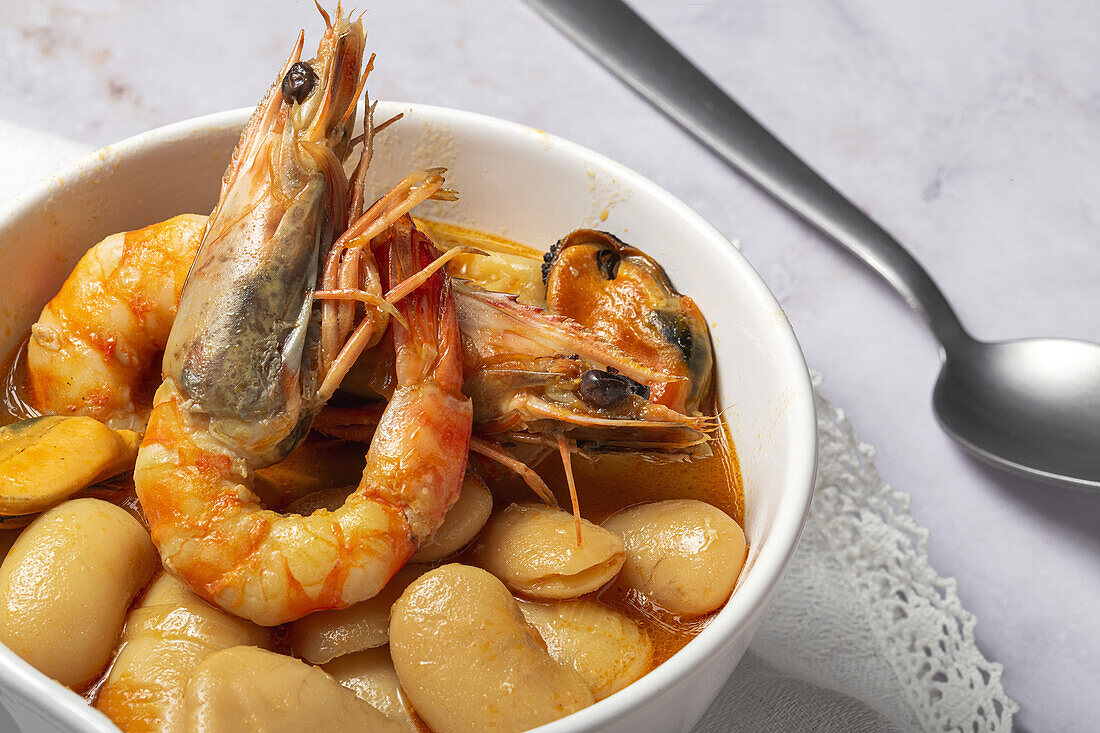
column 949, row 683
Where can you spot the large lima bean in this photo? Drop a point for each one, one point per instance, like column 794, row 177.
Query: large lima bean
column 249, row 690
column 682, row 554
column 165, row 638
column 533, row 549
column 371, row 676
column 605, row 647
column 323, row 636
column 467, row 659
column 463, row 521
column 66, row 584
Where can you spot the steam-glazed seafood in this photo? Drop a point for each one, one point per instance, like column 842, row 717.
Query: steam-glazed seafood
column 297, row 451
column 621, row 294
column 93, row 351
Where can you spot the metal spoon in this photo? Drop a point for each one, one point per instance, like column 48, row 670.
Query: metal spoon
column 1030, row 406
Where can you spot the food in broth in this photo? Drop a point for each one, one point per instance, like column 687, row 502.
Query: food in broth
column 309, row 462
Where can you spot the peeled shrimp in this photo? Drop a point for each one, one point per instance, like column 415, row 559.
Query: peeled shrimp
column 94, row 346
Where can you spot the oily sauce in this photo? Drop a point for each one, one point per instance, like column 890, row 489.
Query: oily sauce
column 610, row 482
column 605, row 483
column 614, row 481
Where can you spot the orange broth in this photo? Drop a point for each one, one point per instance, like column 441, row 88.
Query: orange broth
column 605, row 483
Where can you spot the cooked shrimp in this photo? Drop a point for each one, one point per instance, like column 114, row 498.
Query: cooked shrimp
column 272, row 568
column 240, row 367
column 93, row 350
column 245, row 364
column 595, row 344
column 535, row 377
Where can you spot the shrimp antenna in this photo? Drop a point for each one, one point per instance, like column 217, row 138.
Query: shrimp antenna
column 564, row 447
column 496, row 452
column 296, row 52
column 325, row 15
column 390, row 121
column 411, row 283
column 358, row 89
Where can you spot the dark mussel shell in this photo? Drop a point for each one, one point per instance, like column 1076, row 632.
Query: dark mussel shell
column 625, row 296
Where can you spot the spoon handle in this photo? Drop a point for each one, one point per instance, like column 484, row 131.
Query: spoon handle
column 621, row 40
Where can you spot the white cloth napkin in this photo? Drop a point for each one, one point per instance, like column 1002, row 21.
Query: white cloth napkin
column 863, row 634
column 27, row 156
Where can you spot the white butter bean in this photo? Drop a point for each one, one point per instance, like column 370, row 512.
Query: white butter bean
column 684, row 555
column 533, row 549
column 331, row 499
column 323, row 636
column 605, row 647
column 66, row 584
column 468, row 660
column 462, row 523
column 249, row 690
column 165, row 638
column 371, row 676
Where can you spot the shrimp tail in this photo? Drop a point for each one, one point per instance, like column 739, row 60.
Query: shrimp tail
column 430, row 346
column 428, row 416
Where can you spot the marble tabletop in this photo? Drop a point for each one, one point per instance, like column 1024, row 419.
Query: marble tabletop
column 970, row 130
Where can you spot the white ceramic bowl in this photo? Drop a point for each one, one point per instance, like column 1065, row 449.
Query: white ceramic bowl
column 532, row 187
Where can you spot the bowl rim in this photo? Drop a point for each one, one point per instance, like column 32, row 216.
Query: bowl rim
column 793, row 505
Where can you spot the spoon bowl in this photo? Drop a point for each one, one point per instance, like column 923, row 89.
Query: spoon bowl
column 1030, row 406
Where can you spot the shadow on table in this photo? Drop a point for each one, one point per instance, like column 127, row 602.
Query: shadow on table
column 1077, row 510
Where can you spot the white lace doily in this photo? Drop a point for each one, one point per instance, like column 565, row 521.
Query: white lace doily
column 863, row 634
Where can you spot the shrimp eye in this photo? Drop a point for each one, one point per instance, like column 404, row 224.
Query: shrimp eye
column 607, row 260
column 298, row 83
column 608, row 390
